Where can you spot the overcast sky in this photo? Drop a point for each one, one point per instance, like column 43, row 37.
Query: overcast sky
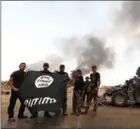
column 30, row 31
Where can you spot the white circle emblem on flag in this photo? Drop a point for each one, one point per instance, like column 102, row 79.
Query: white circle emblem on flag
column 43, row 81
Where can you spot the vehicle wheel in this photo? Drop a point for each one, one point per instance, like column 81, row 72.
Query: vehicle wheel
column 119, row 99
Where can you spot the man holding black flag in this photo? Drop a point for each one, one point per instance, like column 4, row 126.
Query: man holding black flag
column 15, row 81
column 45, row 70
column 64, row 106
column 95, row 83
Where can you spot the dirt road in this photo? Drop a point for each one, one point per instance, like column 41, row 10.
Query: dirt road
column 106, row 118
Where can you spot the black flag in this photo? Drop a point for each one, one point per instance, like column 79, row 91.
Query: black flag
column 41, row 91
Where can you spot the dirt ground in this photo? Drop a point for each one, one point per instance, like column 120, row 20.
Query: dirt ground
column 106, row 118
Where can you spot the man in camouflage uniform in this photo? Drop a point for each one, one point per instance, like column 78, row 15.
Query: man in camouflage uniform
column 137, row 85
column 77, row 93
column 138, row 72
column 64, row 106
column 95, row 83
column 87, row 89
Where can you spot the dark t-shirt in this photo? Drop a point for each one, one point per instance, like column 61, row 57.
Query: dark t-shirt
column 79, row 83
column 18, row 78
column 94, row 79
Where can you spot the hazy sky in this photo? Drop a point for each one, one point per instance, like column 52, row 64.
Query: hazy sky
column 30, row 31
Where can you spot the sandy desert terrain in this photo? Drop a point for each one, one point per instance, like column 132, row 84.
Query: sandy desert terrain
column 106, row 118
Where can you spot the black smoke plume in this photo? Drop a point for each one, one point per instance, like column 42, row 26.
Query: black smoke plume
column 129, row 13
column 128, row 20
column 88, row 51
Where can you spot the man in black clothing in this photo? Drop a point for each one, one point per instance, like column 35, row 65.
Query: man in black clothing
column 77, row 93
column 15, row 81
column 95, row 83
column 64, row 106
column 45, row 70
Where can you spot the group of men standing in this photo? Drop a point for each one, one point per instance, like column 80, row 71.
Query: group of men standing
column 81, row 89
column 87, row 89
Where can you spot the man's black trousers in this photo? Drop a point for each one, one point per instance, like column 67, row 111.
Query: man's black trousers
column 64, row 106
column 13, row 99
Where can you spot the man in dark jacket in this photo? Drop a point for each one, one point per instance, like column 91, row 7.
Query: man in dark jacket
column 77, row 93
column 64, row 106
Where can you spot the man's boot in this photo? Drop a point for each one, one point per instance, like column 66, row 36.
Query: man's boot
column 64, row 110
column 78, row 113
column 47, row 114
column 65, row 114
column 74, row 112
column 86, row 110
column 12, row 119
column 34, row 115
column 95, row 107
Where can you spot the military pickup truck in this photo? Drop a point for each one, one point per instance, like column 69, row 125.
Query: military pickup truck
column 129, row 93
